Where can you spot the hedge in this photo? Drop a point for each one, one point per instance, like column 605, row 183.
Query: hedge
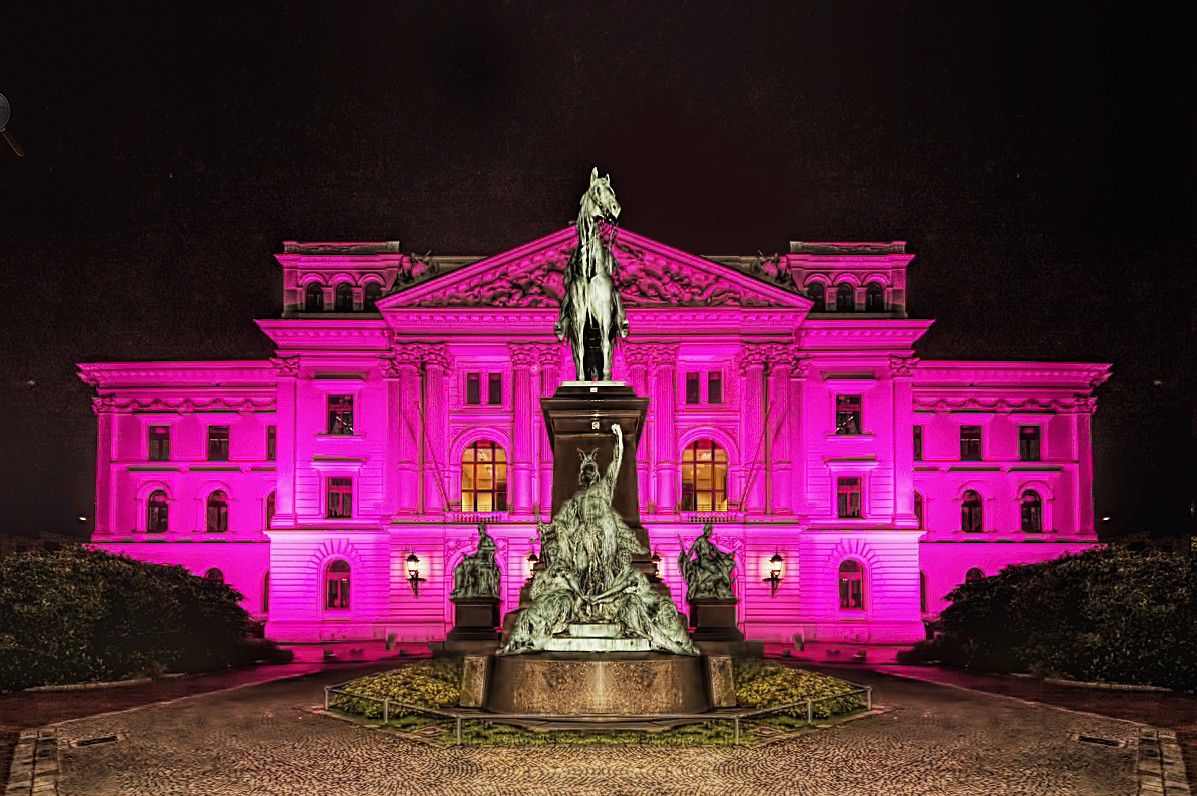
column 79, row 614
column 1106, row 614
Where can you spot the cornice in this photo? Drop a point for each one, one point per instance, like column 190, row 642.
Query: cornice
column 1066, row 375
column 1079, row 403
column 104, row 404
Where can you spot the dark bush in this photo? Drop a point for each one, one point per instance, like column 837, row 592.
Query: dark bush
column 1106, row 614
column 78, row 614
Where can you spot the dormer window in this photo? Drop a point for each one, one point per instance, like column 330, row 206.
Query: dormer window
column 817, row 293
column 370, row 296
column 344, row 298
column 313, row 297
column 845, row 299
column 874, row 298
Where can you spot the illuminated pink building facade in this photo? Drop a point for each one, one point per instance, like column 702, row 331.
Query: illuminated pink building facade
column 785, row 406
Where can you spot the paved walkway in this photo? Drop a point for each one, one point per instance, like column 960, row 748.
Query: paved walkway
column 262, row 739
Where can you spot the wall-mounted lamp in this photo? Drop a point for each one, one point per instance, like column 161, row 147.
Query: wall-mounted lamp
column 774, row 578
column 656, row 559
column 413, row 573
column 532, row 559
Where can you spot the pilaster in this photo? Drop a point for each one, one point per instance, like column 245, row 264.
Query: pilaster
column 780, row 450
column 799, row 367
column 901, row 371
column 1085, row 407
column 548, row 358
column 639, row 359
column 406, row 366
column 104, row 406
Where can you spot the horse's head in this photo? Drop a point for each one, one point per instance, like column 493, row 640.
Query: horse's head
column 599, row 201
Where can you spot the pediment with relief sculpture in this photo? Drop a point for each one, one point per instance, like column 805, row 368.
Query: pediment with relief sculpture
column 649, row 274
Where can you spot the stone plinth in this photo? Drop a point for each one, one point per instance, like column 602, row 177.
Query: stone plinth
column 617, row 683
column 714, row 619
column 596, row 637
column 474, row 619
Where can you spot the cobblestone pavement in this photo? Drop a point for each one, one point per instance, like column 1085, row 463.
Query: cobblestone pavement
column 263, row 740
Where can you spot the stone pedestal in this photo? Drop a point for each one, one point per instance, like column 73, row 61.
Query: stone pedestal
column 474, row 619
column 714, row 619
column 580, row 415
column 629, row 683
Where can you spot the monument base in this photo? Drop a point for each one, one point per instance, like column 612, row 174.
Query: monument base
column 714, row 619
column 565, row 683
column 475, row 623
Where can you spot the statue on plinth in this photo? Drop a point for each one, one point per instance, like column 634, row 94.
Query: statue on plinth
column 591, row 306
column 588, row 577
column 477, row 574
column 705, row 568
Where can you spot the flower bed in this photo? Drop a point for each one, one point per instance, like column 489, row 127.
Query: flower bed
column 760, row 684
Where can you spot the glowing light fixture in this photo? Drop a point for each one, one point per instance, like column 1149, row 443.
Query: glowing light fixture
column 656, row 559
column 413, row 573
column 532, row 559
column 775, row 566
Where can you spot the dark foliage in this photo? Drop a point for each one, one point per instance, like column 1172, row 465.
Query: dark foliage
column 1107, row 614
column 77, row 614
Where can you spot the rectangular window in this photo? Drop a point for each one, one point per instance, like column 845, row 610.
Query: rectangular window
column 340, row 414
column 340, row 498
column 847, row 414
column 494, row 388
column 918, row 443
column 473, row 389
column 970, row 443
column 218, row 443
column 714, row 387
column 159, row 443
column 847, row 497
column 692, row 387
column 1028, row 443
column 271, row 443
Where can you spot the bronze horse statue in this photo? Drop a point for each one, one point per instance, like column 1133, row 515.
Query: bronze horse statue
column 591, row 307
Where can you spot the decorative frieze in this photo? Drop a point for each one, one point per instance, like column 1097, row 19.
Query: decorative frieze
column 110, row 403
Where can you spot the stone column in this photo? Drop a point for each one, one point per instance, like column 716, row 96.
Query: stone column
column 777, row 443
column 549, row 359
column 435, row 428
column 753, row 361
column 286, row 372
column 665, row 457
column 407, row 363
column 523, row 442
column 639, row 358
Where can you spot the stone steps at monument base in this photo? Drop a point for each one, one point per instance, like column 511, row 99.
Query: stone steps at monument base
column 570, row 644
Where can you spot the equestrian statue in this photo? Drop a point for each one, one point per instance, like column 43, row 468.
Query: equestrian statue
column 591, row 310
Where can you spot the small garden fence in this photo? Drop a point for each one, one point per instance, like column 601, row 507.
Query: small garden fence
column 598, row 718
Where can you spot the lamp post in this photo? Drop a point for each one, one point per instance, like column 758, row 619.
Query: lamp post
column 413, row 573
column 532, row 559
column 775, row 565
column 656, row 559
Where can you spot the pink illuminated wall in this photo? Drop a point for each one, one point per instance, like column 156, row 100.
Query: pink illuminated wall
column 801, row 477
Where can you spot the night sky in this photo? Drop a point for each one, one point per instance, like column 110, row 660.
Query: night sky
column 1039, row 164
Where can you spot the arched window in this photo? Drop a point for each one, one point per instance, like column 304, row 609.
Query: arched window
column 851, row 586
column 484, row 477
column 336, row 585
column 343, row 298
column 269, row 508
column 817, row 293
column 214, row 574
column 157, row 518
column 370, row 295
column 845, row 298
column 1031, row 512
column 313, row 297
column 704, row 477
column 218, row 511
column 266, row 592
column 874, row 298
column 970, row 512
column 918, row 507
column 922, row 593
column 973, row 574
